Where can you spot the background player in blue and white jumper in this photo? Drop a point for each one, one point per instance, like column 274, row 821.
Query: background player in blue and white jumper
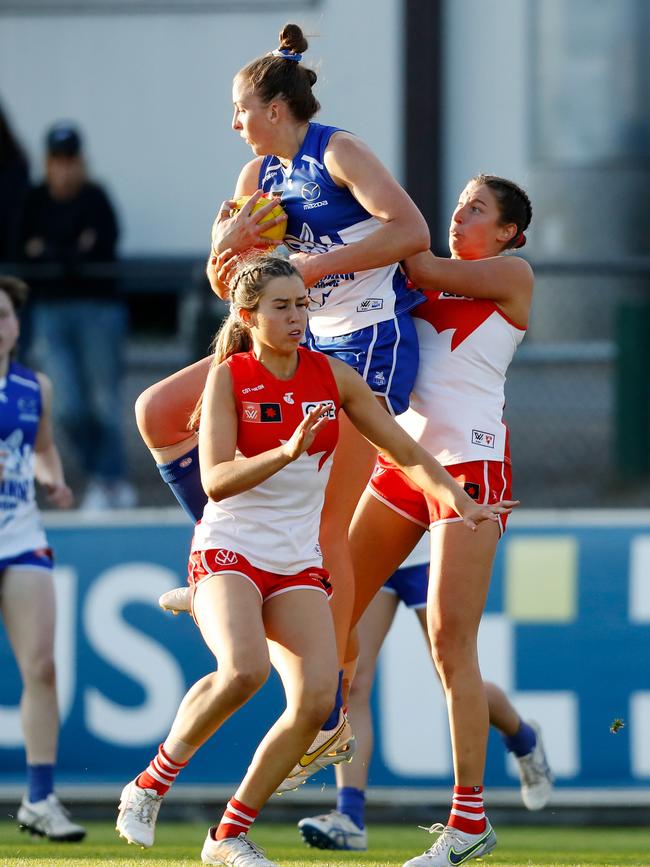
column 349, row 224
column 28, row 453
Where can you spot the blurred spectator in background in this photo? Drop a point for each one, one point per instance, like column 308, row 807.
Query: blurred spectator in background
column 14, row 182
column 79, row 316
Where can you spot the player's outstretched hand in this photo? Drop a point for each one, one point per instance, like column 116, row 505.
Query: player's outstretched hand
column 305, row 434
column 59, row 496
column 477, row 513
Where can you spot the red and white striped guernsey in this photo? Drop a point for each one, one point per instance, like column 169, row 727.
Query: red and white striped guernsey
column 275, row 525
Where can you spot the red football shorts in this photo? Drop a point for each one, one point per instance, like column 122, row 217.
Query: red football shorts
column 202, row 564
column 485, row 481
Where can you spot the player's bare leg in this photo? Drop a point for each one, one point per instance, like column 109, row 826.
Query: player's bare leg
column 460, row 570
column 308, row 672
column 380, row 540
column 28, row 607
column 229, row 613
column 354, row 459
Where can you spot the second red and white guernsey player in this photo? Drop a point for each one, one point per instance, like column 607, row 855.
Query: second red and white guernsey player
column 248, row 525
column 475, row 317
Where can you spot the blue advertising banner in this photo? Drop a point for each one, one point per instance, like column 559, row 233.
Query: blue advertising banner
column 566, row 634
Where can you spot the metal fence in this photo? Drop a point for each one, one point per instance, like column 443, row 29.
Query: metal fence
column 578, row 390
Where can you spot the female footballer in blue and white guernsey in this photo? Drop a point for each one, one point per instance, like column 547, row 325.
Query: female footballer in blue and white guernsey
column 349, row 224
column 269, row 425
column 28, row 453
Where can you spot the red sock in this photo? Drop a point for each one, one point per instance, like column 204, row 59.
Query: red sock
column 467, row 812
column 161, row 773
column 236, row 819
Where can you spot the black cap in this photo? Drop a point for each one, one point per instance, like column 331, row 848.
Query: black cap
column 63, row 140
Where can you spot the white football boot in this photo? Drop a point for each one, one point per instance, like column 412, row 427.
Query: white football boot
column 136, row 820
column 177, row 600
column 330, row 747
column 49, row 818
column 234, row 851
column 535, row 775
column 454, row 847
column 334, row 830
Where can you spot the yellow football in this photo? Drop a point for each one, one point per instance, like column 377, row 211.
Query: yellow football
column 275, row 233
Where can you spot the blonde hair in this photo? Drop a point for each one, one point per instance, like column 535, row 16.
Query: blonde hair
column 245, row 292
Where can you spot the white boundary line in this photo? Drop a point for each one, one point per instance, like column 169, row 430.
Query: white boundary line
column 521, row 518
column 378, row 796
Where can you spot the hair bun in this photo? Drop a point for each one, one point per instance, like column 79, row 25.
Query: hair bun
column 293, row 39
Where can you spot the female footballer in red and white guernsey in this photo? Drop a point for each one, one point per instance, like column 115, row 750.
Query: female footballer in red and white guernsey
column 269, row 426
column 475, row 316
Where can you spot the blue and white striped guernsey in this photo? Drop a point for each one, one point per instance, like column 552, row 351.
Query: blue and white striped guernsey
column 20, row 413
column 322, row 215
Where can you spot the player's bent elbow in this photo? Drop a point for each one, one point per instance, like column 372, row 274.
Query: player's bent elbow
column 215, row 487
column 421, row 239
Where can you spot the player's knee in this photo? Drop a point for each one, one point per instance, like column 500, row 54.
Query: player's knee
column 148, row 413
column 361, row 685
column 246, row 678
column 316, row 703
column 40, row 671
column 450, row 648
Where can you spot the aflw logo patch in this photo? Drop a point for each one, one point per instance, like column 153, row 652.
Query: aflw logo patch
column 261, row 412
column 481, row 438
column 329, row 407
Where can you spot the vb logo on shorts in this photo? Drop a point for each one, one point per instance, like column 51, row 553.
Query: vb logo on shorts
column 224, row 557
column 329, row 407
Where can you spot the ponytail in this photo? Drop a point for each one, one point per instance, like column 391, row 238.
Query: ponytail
column 234, row 334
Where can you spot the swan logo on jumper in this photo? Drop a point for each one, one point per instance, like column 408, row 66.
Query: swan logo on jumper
column 481, row 438
column 261, row 412
column 329, row 407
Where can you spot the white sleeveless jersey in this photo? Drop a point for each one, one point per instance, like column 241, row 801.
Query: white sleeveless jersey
column 21, row 529
column 275, row 525
column 456, row 406
column 322, row 216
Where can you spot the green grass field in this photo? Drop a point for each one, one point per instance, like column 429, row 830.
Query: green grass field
column 180, row 844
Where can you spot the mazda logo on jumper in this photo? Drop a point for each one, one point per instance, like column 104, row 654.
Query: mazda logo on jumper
column 310, row 191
